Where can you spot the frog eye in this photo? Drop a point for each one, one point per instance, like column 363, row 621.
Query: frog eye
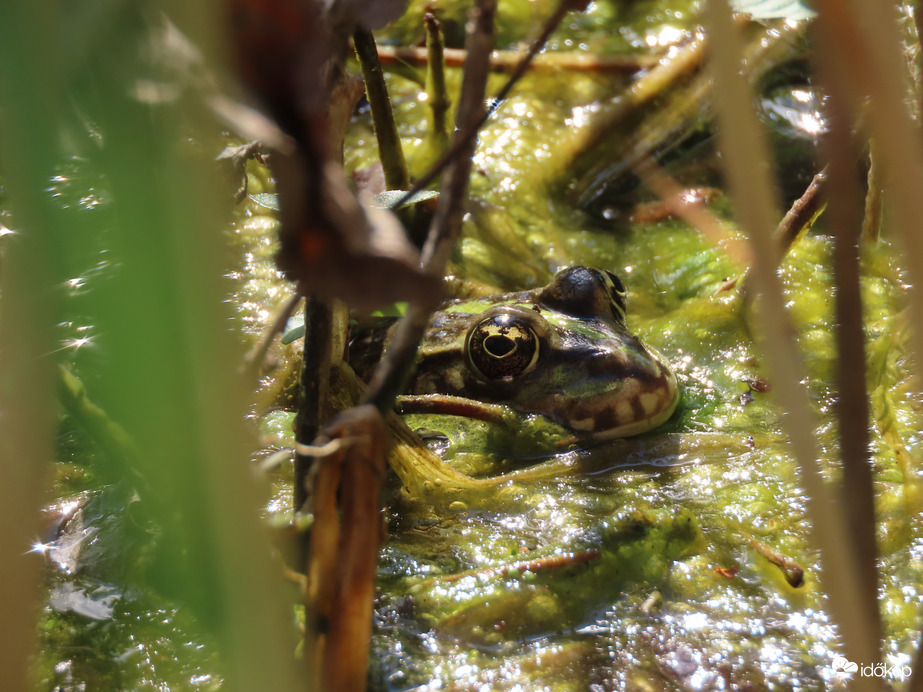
column 617, row 293
column 583, row 292
column 503, row 346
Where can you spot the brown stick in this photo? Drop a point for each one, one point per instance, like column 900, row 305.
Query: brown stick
column 344, row 582
column 793, row 572
column 803, row 212
column 435, row 84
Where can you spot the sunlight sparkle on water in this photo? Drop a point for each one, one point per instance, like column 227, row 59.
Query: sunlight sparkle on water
column 666, row 36
column 580, row 116
column 521, row 109
column 78, row 343
column 41, row 548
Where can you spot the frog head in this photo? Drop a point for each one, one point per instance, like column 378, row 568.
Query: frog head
column 563, row 352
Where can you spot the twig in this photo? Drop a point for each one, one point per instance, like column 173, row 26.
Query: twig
column 392, row 372
column 236, row 158
column 389, row 143
column 603, row 150
column 803, row 213
column 796, row 222
column 791, row 570
column 537, row 45
column 580, row 150
column 344, row 552
column 538, row 564
column 466, row 137
column 507, row 60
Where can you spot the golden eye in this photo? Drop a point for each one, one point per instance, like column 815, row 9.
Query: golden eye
column 503, row 346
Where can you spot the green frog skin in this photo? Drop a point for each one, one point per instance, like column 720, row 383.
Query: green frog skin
column 563, row 352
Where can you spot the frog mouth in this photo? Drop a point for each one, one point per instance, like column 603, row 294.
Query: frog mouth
column 654, row 416
column 638, row 413
column 639, row 408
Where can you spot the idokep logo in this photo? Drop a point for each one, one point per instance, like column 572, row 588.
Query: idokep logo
column 844, row 666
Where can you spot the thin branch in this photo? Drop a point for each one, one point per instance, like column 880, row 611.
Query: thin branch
column 467, row 135
column 796, row 222
column 695, row 213
column 791, row 570
column 669, row 102
column 538, row 44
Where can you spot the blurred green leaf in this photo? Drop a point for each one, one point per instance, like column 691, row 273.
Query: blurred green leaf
column 168, row 378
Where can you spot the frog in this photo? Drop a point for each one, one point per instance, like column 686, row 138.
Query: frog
column 562, row 353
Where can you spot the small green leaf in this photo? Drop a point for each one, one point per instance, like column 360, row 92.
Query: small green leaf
column 389, row 197
column 293, row 334
column 270, row 200
column 294, row 329
column 775, row 9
